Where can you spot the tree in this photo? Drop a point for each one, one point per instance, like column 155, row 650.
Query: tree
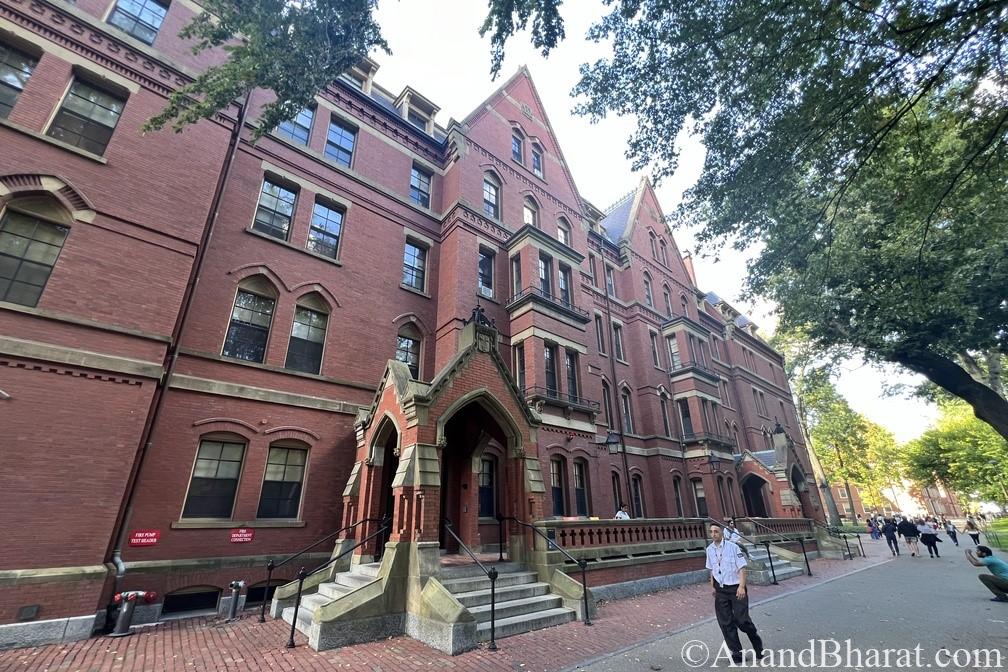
column 862, row 142
column 962, row 453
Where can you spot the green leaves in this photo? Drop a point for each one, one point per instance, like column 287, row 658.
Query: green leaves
column 506, row 17
column 293, row 49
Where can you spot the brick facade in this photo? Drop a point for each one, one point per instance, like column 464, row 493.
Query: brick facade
column 84, row 371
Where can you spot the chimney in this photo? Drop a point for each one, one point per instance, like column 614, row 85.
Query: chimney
column 687, row 260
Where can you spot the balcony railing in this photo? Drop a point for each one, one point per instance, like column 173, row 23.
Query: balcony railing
column 702, row 368
column 539, row 392
column 537, row 294
column 716, row 437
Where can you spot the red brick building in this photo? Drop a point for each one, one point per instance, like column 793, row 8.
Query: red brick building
column 196, row 330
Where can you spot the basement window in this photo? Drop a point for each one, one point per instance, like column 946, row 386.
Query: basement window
column 192, row 601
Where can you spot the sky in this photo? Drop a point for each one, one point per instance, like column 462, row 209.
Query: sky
column 436, row 49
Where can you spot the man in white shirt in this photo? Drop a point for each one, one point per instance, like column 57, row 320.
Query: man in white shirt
column 731, row 532
column 727, row 565
column 623, row 513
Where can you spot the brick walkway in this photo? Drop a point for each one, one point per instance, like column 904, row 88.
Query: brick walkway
column 204, row 644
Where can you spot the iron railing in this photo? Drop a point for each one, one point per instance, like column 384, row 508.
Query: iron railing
column 491, row 574
column 539, row 391
column 303, row 574
column 784, row 539
column 270, row 565
column 552, row 545
column 690, row 437
column 683, row 366
column 837, row 534
column 535, row 292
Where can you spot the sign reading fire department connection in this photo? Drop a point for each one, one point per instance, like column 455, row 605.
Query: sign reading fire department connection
column 242, row 535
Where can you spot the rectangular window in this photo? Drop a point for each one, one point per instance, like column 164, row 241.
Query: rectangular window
column 537, row 162
column 140, row 18
column 275, row 211
column 520, row 366
column 281, row 489
column 762, row 401
column 655, row 357
column 491, row 199
column 487, row 491
column 627, row 412
column 564, row 285
column 408, row 352
column 248, row 331
column 484, row 272
column 715, row 347
column 414, row 266
column 666, row 425
column 340, row 142
column 610, row 281
column 618, row 341
column 516, row 149
column 15, row 70
column 298, row 129
column 87, row 117
column 592, row 270
column 580, row 488
column 572, row 374
column 705, row 413
column 29, row 248
column 214, row 480
column 549, row 353
column 725, row 398
column 600, row 334
column 684, row 418
column 557, row 487
column 420, row 183
column 607, row 405
column 416, row 119
column 673, row 350
column 699, row 498
column 325, row 230
column 546, row 276
column 304, row 352
column 516, row 281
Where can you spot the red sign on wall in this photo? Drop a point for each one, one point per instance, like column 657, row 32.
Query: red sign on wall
column 144, row 537
column 242, row 535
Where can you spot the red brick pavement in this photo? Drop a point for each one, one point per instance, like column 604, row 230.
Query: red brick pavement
column 204, row 645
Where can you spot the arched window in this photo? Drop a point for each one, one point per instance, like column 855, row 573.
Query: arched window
column 582, row 500
column 251, row 318
column 677, row 492
column 648, row 294
column 685, row 305
column 537, row 160
column 214, row 480
column 664, row 253
column 637, row 485
column 530, row 212
column 667, row 295
column 517, row 146
column 721, row 495
column 666, row 423
column 280, row 496
column 627, row 410
column 307, row 339
column 558, row 485
column 408, row 348
column 738, row 444
column 654, row 245
column 488, row 487
column 491, row 195
column 30, row 243
column 699, row 498
column 617, row 492
column 563, row 231
column 767, row 443
column 607, row 404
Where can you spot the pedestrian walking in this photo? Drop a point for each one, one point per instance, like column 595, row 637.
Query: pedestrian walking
column 727, row 565
column 973, row 530
column 623, row 513
column 889, row 530
column 997, row 580
column 910, row 534
column 928, row 537
column 950, row 530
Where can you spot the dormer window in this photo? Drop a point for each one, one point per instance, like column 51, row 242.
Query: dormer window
column 417, row 119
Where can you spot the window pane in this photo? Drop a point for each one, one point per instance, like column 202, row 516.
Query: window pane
column 326, row 227
column 414, row 266
column 281, row 491
column 249, row 329
column 215, row 480
column 408, row 352
column 139, row 18
column 340, row 143
column 29, row 248
column 299, row 128
column 491, row 199
column 15, row 69
column 87, row 118
column 275, row 211
column 420, row 187
column 304, row 352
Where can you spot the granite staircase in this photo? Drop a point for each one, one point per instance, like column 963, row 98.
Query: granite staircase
column 329, row 591
column 759, row 566
column 523, row 602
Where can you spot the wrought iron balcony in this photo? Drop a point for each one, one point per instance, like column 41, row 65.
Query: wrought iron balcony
column 710, row 437
column 561, row 398
column 696, row 368
column 536, row 294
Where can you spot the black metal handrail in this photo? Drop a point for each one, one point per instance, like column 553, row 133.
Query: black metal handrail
column 302, row 574
column 547, row 296
column 786, row 539
column 552, row 393
column 270, row 565
column 491, row 573
column 837, row 534
column 551, row 544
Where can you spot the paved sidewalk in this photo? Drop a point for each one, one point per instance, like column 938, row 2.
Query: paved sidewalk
column 201, row 644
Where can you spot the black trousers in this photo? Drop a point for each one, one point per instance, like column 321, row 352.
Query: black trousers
column 953, row 536
column 893, row 544
column 733, row 615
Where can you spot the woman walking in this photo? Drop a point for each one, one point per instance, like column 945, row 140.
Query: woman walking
column 928, row 537
column 950, row 530
column 889, row 530
column 973, row 530
column 910, row 535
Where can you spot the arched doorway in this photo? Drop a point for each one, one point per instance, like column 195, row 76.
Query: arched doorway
column 385, row 453
column 800, row 486
column 753, row 496
column 467, row 488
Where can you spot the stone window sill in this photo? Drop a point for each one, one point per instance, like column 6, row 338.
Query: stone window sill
column 216, row 524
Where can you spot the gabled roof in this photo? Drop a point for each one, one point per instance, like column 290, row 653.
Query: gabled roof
column 767, row 457
column 618, row 217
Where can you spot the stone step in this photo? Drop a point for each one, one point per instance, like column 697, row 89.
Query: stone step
column 369, row 569
column 506, row 594
column 304, row 618
column 351, row 580
column 315, row 600
column 511, row 608
column 450, row 572
column 516, row 625
column 470, row 584
column 765, row 577
column 333, row 590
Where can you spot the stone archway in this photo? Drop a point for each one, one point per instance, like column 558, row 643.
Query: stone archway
column 385, row 449
column 754, row 496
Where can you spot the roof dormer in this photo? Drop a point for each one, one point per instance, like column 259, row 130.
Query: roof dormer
column 416, row 109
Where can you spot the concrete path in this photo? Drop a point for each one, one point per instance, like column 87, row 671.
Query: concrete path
column 934, row 609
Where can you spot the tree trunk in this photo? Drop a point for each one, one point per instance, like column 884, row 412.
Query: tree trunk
column 994, row 371
column 946, row 374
